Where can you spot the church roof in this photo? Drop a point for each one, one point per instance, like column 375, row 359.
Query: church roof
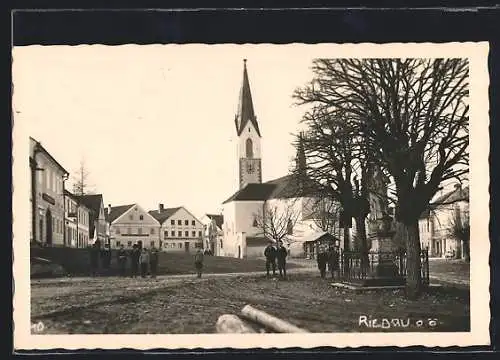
column 284, row 187
column 245, row 112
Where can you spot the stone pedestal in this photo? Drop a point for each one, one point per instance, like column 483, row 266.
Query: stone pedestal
column 386, row 259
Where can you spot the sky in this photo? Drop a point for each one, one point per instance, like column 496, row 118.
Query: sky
column 155, row 124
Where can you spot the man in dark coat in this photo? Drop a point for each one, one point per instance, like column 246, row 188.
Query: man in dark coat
column 198, row 262
column 270, row 254
column 333, row 261
column 153, row 261
column 281, row 254
column 322, row 259
column 122, row 260
column 134, row 260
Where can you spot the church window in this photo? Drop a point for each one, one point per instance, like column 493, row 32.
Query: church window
column 249, row 148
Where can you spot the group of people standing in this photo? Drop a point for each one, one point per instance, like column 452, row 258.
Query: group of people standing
column 142, row 261
column 276, row 254
column 328, row 255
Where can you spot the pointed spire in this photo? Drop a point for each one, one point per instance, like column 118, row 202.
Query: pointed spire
column 245, row 111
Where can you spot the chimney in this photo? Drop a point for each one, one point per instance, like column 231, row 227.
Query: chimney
column 109, row 209
column 160, row 208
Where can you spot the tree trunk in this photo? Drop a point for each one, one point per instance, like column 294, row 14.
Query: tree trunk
column 466, row 251
column 413, row 273
column 347, row 247
column 363, row 243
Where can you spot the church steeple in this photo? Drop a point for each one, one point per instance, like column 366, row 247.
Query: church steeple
column 248, row 136
column 245, row 112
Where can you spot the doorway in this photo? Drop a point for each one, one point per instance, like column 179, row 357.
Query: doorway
column 48, row 227
column 186, row 246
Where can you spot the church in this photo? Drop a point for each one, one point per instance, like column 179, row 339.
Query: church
column 246, row 210
column 259, row 212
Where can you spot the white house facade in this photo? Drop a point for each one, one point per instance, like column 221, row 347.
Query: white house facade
column 180, row 230
column 131, row 224
column 77, row 218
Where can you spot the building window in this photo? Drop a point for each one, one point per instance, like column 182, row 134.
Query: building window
column 165, row 234
column 197, row 245
column 249, row 148
column 141, row 217
column 179, row 234
column 199, row 233
column 221, row 244
column 180, row 245
column 152, row 231
column 194, row 234
column 255, row 222
column 179, row 222
column 193, row 223
column 152, row 243
column 172, row 233
column 172, row 222
column 139, row 231
column 129, row 244
column 186, row 233
column 186, row 222
column 118, row 243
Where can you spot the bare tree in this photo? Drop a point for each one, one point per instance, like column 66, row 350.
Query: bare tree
column 277, row 223
column 326, row 215
column 413, row 116
column 81, row 185
column 338, row 169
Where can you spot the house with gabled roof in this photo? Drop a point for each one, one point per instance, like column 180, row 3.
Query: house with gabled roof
column 97, row 222
column 131, row 224
column 213, row 233
column 180, row 230
column 436, row 222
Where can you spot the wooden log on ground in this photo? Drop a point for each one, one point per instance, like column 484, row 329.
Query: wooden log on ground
column 269, row 321
column 229, row 323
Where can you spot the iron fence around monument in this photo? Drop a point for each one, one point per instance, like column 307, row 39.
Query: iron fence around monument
column 377, row 264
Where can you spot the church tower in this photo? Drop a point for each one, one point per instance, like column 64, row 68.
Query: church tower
column 248, row 136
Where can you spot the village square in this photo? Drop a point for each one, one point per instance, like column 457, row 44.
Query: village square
column 367, row 231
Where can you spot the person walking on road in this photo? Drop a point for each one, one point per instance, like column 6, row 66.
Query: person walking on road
column 281, row 255
column 153, row 261
column 198, row 262
column 270, row 254
column 144, row 262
